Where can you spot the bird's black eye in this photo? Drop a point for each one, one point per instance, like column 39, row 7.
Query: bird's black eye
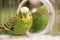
column 21, row 17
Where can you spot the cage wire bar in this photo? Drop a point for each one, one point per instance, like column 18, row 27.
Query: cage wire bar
column 57, row 10
column 0, row 9
column 56, row 25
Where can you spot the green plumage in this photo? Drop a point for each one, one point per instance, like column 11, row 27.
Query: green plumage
column 40, row 19
column 19, row 24
column 21, row 27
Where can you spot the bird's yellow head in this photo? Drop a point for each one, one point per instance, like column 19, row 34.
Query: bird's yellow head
column 25, row 15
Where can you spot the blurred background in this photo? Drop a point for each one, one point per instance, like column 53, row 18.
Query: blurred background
column 8, row 9
column 56, row 28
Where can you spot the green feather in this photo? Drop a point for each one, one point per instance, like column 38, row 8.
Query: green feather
column 20, row 27
column 40, row 19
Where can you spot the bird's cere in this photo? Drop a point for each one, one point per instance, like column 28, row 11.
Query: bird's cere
column 24, row 9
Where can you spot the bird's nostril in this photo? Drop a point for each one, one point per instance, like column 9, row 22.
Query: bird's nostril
column 25, row 14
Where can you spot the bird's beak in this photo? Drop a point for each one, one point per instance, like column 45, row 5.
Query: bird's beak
column 25, row 14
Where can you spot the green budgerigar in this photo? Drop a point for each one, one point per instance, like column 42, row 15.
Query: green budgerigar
column 19, row 24
column 40, row 19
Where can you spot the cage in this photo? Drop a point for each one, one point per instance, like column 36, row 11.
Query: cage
column 8, row 8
